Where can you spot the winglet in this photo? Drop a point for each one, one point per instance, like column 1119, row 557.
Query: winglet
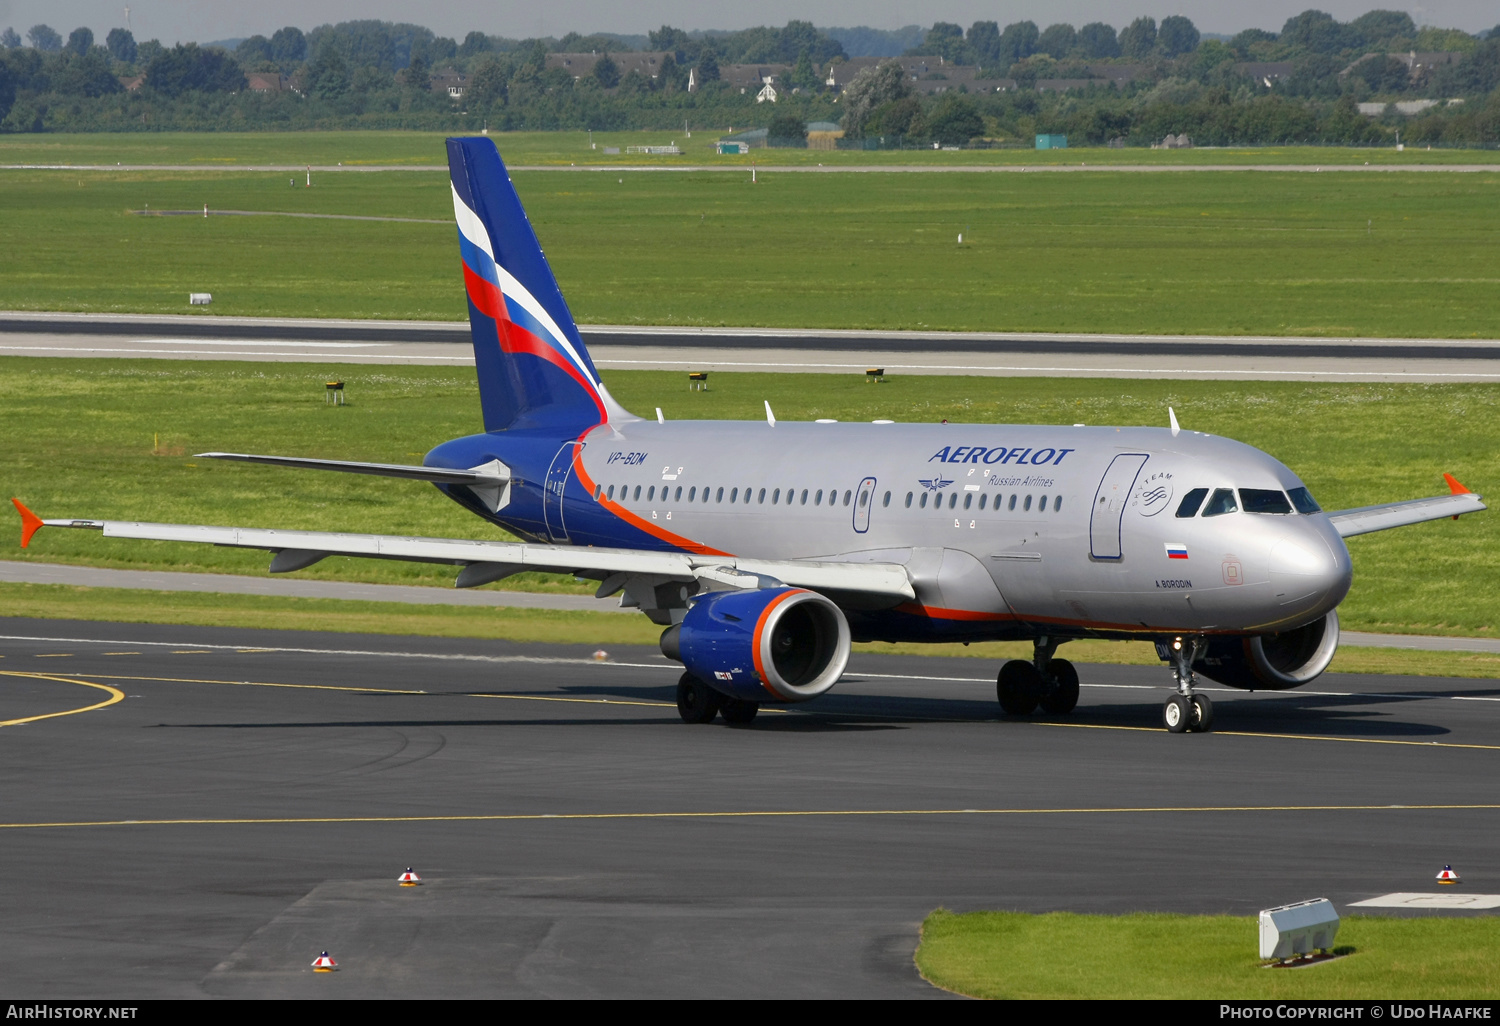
column 1453, row 483
column 30, row 523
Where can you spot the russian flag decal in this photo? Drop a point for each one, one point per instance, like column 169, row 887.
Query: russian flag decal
column 1176, row 550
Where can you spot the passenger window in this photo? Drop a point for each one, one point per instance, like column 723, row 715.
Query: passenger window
column 638, row 493
column 1220, row 503
column 598, row 491
column 1188, row 507
column 1056, row 503
column 677, row 495
column 734, row 495
column 1012, row 505
column 1264, row 500
column 1027, row 506
column 1303, row 500
column 952, row 500
column 848, row 494
column 885, row 501
column 818, row 499
column 747, row 495
column 611, row 493
column 692, row 495
column 804, row 496
column 762, row 498
column 923, row 503
column 651, row 493
column 1043, row 507
column 776, row 496
column 968, row 499
column 720, row 496
column 864, row 498
column 908, row 500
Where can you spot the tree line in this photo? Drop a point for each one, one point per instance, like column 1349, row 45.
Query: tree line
column 376, row 74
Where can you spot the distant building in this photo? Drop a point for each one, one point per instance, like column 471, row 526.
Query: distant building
column 265, row 82
column 580, row 64
column 132, row 82
column 1266, row 73
column 454, row 83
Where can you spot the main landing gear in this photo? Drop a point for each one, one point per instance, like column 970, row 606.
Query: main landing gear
column 699, row 703
column 1045, row 681
column 1186, row 710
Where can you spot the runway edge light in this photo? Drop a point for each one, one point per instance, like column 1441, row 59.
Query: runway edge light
column 324, row 964
column 408, row 878
column 1447, row 876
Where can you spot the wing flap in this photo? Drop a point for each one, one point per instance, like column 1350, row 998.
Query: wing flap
column 1365, row 519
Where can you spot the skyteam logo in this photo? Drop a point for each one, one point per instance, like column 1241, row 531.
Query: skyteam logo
column 1153, row 493
column 933, row 484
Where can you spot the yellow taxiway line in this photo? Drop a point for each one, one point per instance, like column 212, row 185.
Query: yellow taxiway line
column 115, row 695
column 749, row 814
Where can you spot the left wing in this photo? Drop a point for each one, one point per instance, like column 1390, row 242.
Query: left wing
column 485, row 561
column 1364, row 519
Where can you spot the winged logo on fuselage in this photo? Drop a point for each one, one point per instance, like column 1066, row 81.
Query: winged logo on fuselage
column 934, row 484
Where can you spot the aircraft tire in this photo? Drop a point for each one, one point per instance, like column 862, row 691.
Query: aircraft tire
column 1177, row 714
column 696, row 701
column 1203, row 714
column 1019, row 688
column 1060, row 696
column 738, row 712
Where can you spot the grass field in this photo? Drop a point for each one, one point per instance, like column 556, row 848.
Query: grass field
column 1062, row 955
column 113, row 439
column 361, row 148
column 1261, row 253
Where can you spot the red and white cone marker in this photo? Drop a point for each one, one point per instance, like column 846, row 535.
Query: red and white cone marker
column 600, row 656
column 324, row 964
column 408, row 878
column 1447, row 876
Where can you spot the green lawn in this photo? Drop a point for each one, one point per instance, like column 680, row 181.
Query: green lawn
column 1253, row 253
column 1152, row 955
column 83, row 436
column 391, row 147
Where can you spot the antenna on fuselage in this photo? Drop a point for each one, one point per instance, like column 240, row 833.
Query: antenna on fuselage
column 770, row 417
column 659, row 418
column 1172, row 417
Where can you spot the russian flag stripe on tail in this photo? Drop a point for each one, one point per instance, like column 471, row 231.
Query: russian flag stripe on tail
column 533, row 368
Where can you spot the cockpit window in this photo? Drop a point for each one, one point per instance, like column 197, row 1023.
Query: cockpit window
column 1304, row 502
column 1220, row 503
column 1190, row 503
column 1264, row 500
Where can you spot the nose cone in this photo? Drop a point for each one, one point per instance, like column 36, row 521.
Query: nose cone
column 1310, row 573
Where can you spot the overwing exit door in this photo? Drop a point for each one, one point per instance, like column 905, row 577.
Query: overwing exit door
column 1110, row 502
column 864, row 498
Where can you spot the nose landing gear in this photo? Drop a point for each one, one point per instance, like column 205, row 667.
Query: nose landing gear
column 1045, row 681
column 1186, row 710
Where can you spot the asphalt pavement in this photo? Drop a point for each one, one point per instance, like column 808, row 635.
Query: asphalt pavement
column 251, row 796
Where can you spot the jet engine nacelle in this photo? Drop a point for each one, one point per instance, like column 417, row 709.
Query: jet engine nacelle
column 1273, row 662
column 764, row 645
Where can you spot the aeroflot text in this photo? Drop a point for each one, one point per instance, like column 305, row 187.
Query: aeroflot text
column 1000, row 454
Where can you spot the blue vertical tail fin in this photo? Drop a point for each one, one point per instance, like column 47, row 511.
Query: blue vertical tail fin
column 533, row 368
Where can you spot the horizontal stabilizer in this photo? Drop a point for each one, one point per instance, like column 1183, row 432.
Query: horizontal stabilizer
column 493, row 473
column 888, row 580
column 1365, row 519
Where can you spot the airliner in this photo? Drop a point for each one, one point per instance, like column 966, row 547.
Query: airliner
column 764, row 549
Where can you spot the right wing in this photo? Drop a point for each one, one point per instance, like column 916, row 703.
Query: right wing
column 1365, row 519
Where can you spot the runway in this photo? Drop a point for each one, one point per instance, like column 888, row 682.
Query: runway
column 201, row 811
column 1009, row 354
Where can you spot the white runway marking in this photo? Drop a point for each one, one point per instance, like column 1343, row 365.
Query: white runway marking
column 1445, row 899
